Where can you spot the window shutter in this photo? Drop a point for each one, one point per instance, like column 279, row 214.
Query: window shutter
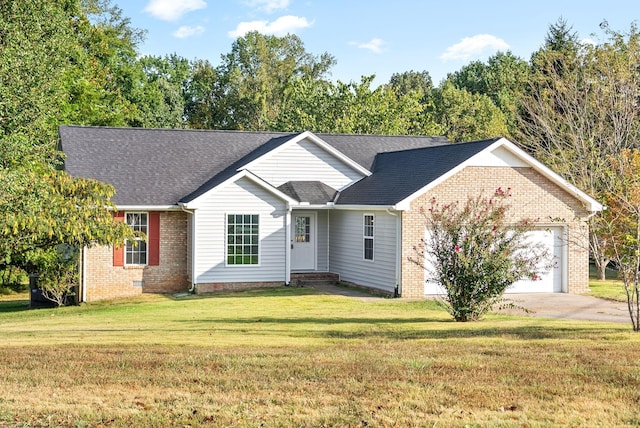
column 118, row 252
column 153, row 238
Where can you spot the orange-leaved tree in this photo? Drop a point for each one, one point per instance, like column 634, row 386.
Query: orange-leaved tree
column 622, row 221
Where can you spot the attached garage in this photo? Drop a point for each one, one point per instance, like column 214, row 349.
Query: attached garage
column 550, row 239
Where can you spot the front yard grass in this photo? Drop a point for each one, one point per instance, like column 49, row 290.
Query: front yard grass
column 610, row 288
column 296, row 357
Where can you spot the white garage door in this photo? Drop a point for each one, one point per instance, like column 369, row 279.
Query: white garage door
column 549, row 282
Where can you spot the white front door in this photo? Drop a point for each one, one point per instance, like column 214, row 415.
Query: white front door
column 303, row 241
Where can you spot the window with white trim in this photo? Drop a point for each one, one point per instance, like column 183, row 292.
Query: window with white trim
column 135, row 251
column 243, row 234
column 368, row 232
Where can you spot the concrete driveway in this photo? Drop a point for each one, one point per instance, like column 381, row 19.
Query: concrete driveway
column 569, row 306
column 544, row 305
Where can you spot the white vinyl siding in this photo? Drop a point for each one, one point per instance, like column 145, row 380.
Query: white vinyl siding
column 346, row 253
column 241, row 197
column 305, row 161
column 322, row 253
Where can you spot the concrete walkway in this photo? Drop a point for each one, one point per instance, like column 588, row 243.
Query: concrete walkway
column 544, row 305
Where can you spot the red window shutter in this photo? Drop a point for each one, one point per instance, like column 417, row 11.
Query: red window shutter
column 153, row 238
column 118, row 251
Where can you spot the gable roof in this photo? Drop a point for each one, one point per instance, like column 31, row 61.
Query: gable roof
column 432, row 165
column 388, row 184
column 313, row 192
column 161, row 167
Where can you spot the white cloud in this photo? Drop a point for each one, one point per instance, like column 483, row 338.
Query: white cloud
column 375, row 45
column 185, row 31
column 474, row 46
column 171, row 10
column 268, row 5
column 279, row 27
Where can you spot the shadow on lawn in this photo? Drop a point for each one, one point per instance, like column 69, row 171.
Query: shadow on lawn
column 7, row 306
column 372, row 328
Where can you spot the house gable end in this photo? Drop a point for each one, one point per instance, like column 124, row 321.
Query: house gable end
column 503, row 153
column 307, row 158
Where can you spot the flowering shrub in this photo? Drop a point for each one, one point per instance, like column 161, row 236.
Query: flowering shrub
column 475, row 254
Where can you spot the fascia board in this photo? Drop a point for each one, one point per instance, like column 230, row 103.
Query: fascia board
column 148, row 207
column 194, row 204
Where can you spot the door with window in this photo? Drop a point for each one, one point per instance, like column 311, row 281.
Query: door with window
column 303, row 241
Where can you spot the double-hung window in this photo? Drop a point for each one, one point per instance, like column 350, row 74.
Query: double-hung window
column 243, row 234
column 368, row 232
column 136, row 249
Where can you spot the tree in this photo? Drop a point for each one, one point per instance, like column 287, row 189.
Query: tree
column 160, row 98
column 103, row 77
column 504, row 79
column 475, row 254
column 621, row 227
column 351, row 108
column 42, row 210
column 205, row 99
column 464, row 116
column 255, row 75
column 34, row 39
column 581, row 109
column 411, row 81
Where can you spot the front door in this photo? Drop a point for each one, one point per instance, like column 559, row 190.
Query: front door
column 303, row 241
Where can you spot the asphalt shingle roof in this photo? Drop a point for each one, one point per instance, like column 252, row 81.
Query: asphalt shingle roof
column 397, row 175
column 164, row 166
column 313, row 192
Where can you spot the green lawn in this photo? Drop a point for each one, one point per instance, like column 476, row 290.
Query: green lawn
column 295, row 357
column 611, row 288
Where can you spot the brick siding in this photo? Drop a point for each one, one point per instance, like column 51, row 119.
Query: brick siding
column 105, row 281
column 534, row 197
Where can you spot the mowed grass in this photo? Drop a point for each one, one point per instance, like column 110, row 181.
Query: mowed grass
column 296, row 357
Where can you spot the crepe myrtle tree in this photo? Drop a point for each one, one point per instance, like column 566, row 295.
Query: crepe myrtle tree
column 474, row 252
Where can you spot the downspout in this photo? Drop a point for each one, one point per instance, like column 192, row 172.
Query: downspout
column 83, row 282
column 397, row 292
column 328, row 239
column 287, row 246
column 193, row 246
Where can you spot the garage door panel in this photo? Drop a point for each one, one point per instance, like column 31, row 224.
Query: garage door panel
column 548, row 282
column 551, row 280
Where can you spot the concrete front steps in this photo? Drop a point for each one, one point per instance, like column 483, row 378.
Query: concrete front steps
column 314, row 278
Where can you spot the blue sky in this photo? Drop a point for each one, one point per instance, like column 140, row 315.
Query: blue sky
column 372, row 36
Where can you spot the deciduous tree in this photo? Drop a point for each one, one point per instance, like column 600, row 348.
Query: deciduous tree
column 582, row 109
column 621, row 225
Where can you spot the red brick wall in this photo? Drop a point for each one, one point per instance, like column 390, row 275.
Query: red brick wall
column 534, row 197
column 105, row 281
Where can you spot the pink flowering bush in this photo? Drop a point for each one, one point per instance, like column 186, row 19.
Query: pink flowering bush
column 474, row 253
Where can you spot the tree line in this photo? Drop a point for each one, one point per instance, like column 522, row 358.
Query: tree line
column 573, row 105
